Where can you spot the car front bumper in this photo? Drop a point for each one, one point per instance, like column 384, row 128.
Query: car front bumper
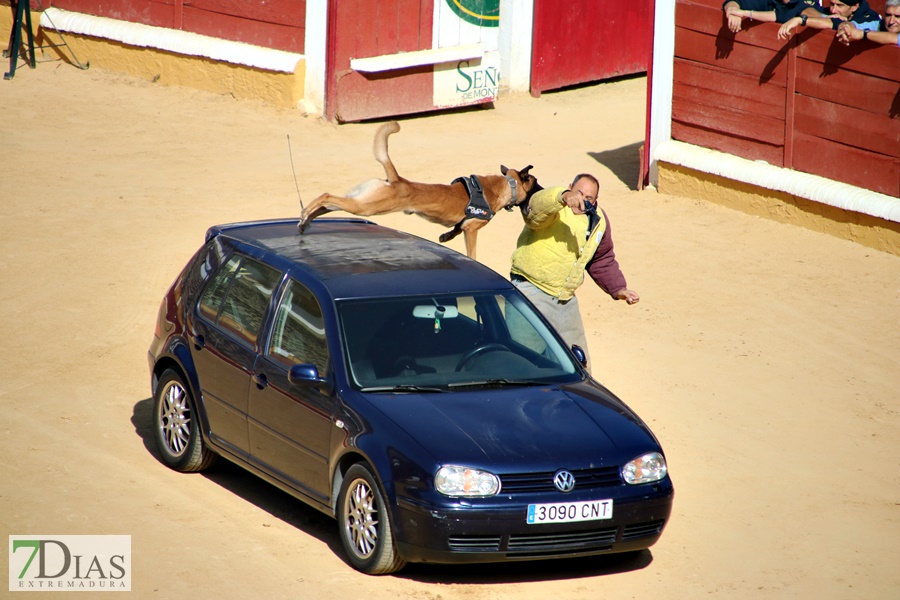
column 468, row 533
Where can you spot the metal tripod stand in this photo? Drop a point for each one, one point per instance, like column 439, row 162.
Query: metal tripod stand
column 21, row 20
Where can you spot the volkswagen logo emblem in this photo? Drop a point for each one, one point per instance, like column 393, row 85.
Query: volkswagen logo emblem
column 564, row 481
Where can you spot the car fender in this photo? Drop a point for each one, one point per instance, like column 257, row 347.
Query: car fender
column 394, row 464
column 177, row 350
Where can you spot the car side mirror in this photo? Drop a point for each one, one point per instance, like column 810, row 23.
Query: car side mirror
column 307, row 375
column 580, row 355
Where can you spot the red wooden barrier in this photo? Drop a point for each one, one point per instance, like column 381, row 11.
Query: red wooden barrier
column 367, row 28
column 588, row 40
column 809, row 104
column 278, row 24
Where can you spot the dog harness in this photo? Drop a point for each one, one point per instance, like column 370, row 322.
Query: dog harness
column 478, row 206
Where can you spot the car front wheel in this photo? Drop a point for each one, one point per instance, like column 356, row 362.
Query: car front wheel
column 176, row 426
column 365, row 524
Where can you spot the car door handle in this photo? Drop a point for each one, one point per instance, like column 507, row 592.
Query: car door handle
column 261, row 381
column 199, row 342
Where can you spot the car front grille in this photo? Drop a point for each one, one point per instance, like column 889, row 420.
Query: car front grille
column 561, row 542
column 543, row 482
column 548, row 544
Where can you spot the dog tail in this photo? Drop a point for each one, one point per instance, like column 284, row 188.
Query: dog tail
column 380, row 148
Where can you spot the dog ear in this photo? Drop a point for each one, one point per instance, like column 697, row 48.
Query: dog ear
column 503, row 169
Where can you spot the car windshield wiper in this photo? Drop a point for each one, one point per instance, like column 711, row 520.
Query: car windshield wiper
column 404, row 388
column 497, row 382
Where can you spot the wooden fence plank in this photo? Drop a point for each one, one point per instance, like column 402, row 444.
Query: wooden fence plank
column 872, row 94
column 239, row 29
column 750, row 149
column 863, row 57
column 763, row 129
column 386, row 27
column 159, row 13
column 709, row 19
column 277, row 12
column 408, row 26
column 867, row 170
column 279, row 24
column 846, row 125
column 765, row 64
column 720, row 87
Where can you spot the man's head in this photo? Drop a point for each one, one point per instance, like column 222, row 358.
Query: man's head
column 892, row 16
column 589, row 187
column 844, row 8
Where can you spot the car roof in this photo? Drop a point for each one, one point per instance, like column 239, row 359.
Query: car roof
column 356, row 258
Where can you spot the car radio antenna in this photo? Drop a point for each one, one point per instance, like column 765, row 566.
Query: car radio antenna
column 296, row 185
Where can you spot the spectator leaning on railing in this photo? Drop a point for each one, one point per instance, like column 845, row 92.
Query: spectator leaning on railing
column 887, row 33
column 766, row 11
column 856, row 11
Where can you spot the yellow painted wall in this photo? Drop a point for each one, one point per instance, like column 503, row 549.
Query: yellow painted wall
column 873, row 232
column 167, row 68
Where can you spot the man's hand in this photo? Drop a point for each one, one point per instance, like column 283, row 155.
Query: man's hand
column 734, row 19
column 574, row 199
column 847, row 32
column 786, row 30
column 629, row 296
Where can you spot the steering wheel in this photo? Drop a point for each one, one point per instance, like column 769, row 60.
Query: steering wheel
column 478, row 351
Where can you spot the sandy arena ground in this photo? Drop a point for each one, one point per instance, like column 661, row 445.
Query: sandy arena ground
column 765, row 357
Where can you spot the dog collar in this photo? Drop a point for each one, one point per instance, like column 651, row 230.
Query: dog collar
column 514, row 196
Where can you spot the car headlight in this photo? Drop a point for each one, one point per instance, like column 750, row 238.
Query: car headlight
column 464, row 481
column 645, row 469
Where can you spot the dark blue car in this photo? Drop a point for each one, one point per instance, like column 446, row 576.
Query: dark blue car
column 405, row 390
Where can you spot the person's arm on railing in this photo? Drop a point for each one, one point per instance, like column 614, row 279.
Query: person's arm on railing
column 786, row 30
column 849, row 32
column 735, row 15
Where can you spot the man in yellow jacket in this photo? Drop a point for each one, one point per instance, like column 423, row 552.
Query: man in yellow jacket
column 566, row 234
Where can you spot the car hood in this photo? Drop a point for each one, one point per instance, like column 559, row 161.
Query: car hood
column 576, row 426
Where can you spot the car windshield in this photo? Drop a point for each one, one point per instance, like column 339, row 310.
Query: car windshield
column 438, row 343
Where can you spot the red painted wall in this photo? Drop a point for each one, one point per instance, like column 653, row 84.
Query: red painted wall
column 809, row 104
column 578, row 41
column 278, row 24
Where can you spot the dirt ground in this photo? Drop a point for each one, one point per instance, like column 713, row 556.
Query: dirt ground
column 765, row 357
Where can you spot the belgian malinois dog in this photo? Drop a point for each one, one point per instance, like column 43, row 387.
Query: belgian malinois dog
column 466, row 204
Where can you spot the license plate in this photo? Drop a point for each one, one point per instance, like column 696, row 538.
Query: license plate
column 569, row 512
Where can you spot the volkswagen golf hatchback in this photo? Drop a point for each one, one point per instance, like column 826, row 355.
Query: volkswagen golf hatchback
column 409, row 392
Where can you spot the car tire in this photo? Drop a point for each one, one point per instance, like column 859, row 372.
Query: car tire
column 176, row 426
column 364, row 523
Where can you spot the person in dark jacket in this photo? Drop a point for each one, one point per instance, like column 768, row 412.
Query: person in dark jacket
column 767, row 11
column 888, row 31
column 857, row 12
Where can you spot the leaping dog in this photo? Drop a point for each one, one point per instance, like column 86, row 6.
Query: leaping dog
column 466, row 204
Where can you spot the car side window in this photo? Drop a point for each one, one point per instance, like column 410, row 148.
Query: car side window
column 298, row 335
column 238, row 296
column 211, row 301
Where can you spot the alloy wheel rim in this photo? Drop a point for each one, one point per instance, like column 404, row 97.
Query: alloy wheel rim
column 362, row 519
column 175, row 419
